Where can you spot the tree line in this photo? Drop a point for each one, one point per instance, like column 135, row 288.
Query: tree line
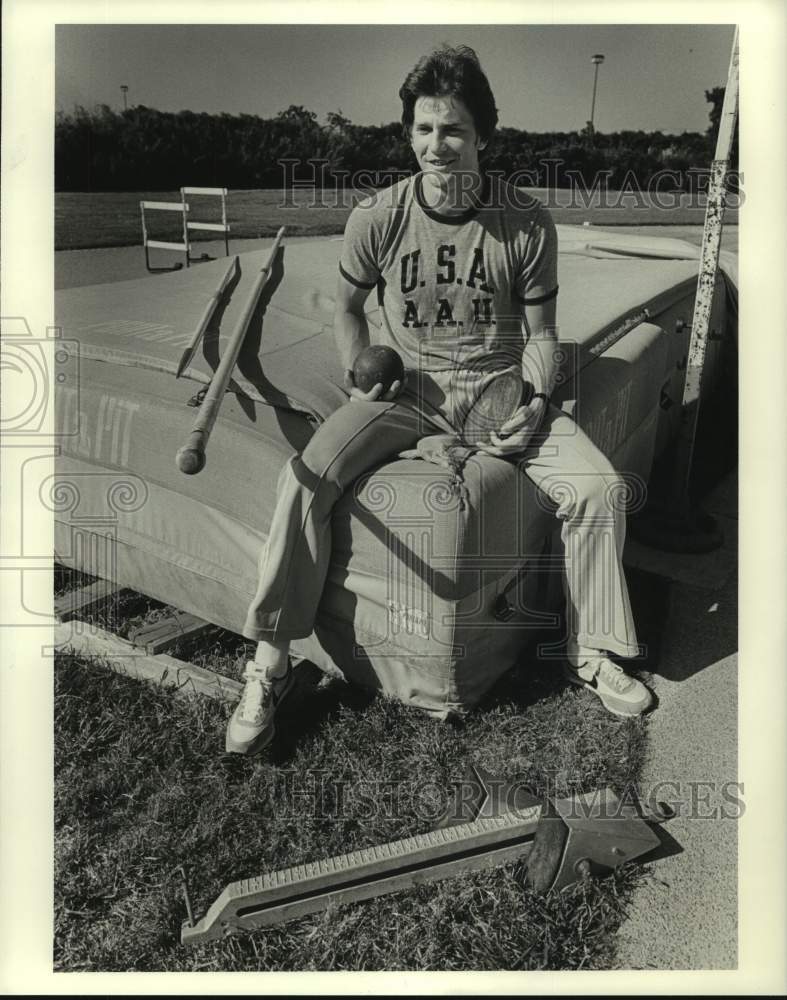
column 143, row 149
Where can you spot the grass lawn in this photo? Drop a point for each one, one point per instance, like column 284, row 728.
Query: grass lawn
column 141, row 786
column 111, row 219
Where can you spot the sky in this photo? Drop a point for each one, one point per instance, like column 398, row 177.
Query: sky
column 654, row 77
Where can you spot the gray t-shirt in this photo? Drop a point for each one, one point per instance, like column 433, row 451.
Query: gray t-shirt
column 450, row 289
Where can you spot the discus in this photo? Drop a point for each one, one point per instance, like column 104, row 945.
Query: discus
column 497, row 403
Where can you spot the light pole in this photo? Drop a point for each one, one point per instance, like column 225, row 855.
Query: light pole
column 124, row 88
column 597, row 60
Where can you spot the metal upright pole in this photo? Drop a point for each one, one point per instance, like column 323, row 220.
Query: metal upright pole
column 675, row 525
column 706, row 282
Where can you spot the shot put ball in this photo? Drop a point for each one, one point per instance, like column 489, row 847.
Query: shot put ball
column 377, row 363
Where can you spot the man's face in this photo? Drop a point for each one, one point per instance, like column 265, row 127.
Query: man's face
column 444, row 138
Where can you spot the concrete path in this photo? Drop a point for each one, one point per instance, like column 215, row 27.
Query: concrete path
column 75, row 268
column 685, row 914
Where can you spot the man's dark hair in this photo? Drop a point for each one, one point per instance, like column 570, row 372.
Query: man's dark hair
column 451, row 72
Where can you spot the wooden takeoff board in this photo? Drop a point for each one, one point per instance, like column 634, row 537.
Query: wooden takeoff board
column 373, row 871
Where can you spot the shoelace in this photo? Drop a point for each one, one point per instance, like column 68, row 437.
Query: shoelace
column 612, row 674
column 255, row 693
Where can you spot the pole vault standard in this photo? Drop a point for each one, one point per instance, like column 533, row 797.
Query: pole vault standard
column 677, row 527
column 709, row 264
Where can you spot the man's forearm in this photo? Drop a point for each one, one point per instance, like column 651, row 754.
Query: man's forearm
column 539, row 366
column 351, row 334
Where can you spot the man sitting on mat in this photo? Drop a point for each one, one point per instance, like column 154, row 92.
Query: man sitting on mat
column 465, row 266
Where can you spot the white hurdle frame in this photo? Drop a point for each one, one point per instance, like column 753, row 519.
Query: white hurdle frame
column 183, row 207
column 216, row 227
column 165, row 206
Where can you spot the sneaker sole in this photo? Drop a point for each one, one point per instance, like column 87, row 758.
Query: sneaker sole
column 265, row 738
column 578, row 682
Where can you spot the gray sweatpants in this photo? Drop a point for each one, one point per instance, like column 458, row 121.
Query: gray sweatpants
column 560, row 460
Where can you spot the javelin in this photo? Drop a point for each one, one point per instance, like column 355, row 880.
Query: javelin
column 191, row 457
column 188, row 354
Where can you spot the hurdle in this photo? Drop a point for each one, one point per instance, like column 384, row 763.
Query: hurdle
column 216, row 227
column 183, row 207
column 164, row 206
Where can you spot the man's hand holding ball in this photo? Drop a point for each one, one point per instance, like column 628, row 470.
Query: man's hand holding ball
column 377, row 375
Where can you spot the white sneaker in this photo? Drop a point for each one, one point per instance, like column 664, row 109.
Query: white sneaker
column 251, row 727
column 619, row 693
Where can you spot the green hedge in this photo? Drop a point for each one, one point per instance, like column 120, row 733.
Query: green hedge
column 145, row 149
